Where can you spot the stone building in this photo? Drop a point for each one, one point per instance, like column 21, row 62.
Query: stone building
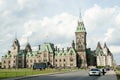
column 100, row 56
column 77, row 55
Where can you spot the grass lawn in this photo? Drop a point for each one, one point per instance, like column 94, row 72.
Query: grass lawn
column 118, row 74
column 10, row 73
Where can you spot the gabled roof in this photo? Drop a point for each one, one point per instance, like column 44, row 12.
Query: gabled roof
column 61, row 53
column 71, row 50
column 47, row 47
column 33, row 54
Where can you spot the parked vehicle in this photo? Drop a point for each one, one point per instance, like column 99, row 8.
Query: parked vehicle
column 94, row 71
column 39, row 66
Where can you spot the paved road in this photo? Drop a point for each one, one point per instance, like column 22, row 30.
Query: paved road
column 78, row 75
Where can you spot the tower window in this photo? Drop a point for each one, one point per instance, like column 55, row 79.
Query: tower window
column 4, row 62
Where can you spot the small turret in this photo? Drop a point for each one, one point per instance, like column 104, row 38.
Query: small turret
column 28, row 48
column 16, row 46
column 99, row 46
column 73, row 44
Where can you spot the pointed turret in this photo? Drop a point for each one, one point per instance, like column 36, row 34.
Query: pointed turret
column 16, row 46
column 99, row 46
column 73, row 44
column 80, row 27
column 105, row 46
column 28, row 48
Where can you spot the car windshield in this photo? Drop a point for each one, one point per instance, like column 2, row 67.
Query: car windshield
column 94, row 70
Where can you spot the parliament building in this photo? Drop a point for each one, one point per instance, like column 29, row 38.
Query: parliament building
column 77, row 55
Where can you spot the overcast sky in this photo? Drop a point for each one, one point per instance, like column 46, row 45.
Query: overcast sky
column 39, row 21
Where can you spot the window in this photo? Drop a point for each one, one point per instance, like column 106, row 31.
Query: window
column 34, row 61
column 14, row 61
column 60, row 65
column 4, row 62
column 39, row 60
column 64, row 65
column 45, row 60
column 56, row 60
column 60, row 60
column 56, row 65
column 9, row 62
column 71, row 59
column 9, row 66
column 71, row 53
column 71, row 64
column 64, row 60
column 50, row 55
column 4, row 66
column 45, row 54
column 19, row 61
column 31, row 61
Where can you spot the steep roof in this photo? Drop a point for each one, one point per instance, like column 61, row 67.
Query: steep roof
column 61, row 53
column 99, row 46
column 49, row 47
column 80, row 27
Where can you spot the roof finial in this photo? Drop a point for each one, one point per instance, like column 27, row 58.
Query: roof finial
column 80, row 16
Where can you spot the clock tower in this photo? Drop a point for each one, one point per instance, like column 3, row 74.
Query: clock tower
column 81, row 44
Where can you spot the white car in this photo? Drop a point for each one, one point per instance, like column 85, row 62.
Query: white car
column 94, row 71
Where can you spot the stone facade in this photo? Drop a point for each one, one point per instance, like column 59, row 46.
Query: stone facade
column 75, row 56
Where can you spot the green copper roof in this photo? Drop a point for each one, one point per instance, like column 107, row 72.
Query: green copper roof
column 80, row 27
column 47, row 47
column 99, row 51
column 71, row 51
column 33, row 54
column 61, row 53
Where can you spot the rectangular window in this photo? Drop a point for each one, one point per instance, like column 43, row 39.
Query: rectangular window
column 19, row 61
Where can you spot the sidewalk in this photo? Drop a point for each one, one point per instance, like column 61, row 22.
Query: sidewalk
column 110, row 75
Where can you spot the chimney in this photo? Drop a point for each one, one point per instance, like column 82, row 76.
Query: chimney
column 39, row 47
column 67, row 49
column 9, row 51
column 62, row 49
column 58, row 50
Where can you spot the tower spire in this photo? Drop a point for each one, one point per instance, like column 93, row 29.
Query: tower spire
column 80, row 27
column 80, row 17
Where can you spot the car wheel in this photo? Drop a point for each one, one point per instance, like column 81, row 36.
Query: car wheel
column 99, row 74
